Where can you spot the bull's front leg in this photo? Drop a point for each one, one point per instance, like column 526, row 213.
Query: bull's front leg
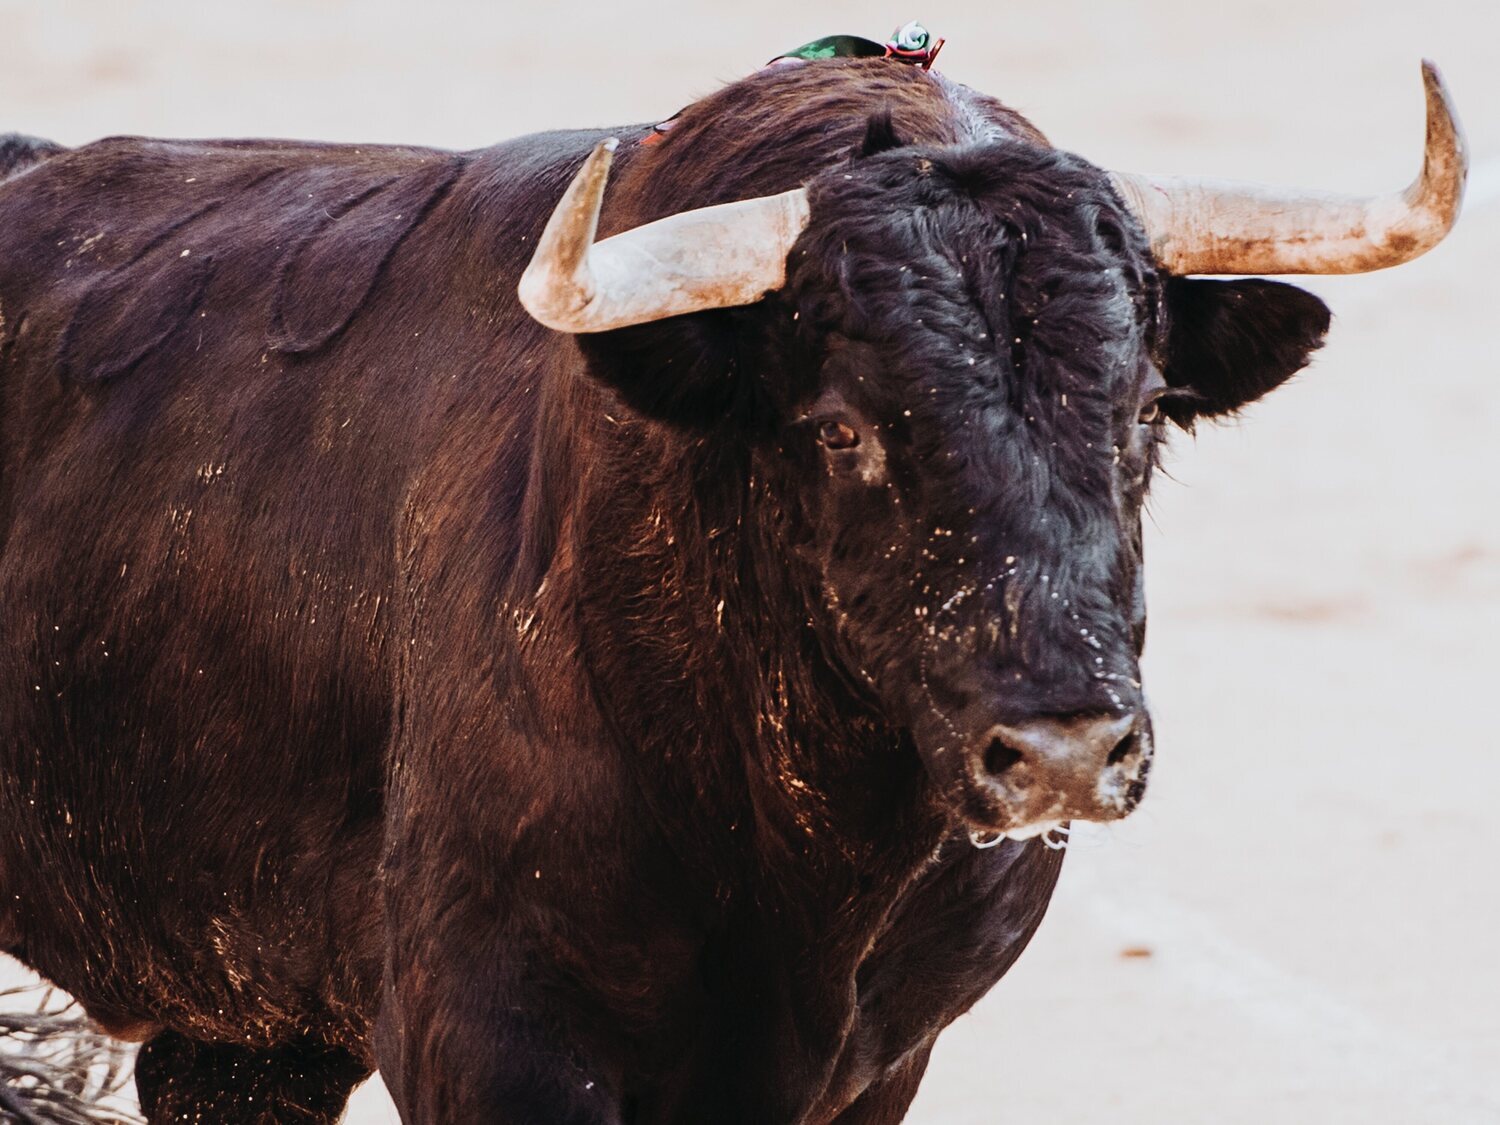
column 481, row 1050
column 534, row 951
column 478, row 1026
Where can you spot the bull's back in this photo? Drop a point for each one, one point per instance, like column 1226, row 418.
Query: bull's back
column 222, row 367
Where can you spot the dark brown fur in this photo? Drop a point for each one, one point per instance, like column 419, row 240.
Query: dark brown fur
column 387, row 679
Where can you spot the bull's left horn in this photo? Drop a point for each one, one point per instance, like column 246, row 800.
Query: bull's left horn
column 1204, row 226
column 710, row 258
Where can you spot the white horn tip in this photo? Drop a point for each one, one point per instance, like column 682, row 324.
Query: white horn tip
column 1446, row 169
column 558, row 284
column 601, row 157
column 1439, row 97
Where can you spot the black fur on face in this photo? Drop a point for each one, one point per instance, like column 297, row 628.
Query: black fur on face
column 955, row 405
column 961, row 412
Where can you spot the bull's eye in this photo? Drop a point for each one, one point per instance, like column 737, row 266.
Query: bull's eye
column 837, row 435
column 1150, row 412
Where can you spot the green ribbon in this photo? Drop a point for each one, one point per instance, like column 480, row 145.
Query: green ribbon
column 837, row 47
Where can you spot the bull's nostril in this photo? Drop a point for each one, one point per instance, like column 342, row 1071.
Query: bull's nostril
column 1124, row 749
column 999, row 757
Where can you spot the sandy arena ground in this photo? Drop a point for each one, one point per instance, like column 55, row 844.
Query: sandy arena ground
column 1314, row 875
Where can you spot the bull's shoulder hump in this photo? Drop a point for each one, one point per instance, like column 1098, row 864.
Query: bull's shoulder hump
column 111, row 248
column 120, row 193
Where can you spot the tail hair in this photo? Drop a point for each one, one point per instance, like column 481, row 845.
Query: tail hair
column 58, row 1068
column 19, row 152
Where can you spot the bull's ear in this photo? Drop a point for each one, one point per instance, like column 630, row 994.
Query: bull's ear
column 688, row 371
column 880, row 135
column 1230, row 342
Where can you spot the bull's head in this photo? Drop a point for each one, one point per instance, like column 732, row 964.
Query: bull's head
column 979, row 349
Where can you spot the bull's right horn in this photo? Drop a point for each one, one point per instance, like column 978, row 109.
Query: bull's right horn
column 1207, row 226
column 708, row 258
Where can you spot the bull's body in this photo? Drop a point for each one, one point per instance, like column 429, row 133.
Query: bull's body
column 324, row 568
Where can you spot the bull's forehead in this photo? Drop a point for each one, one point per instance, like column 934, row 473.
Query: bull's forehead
column 997, row 268
column 967, row 348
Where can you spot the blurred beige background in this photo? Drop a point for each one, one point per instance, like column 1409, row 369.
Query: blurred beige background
column 1316, row 874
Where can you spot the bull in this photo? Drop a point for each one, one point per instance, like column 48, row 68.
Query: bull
column 618, row 660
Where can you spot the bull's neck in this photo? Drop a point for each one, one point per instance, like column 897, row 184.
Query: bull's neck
column 699, row 633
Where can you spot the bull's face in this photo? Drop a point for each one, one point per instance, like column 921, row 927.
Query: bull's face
column 951, row 402
column 971, row 406
column 950, row 411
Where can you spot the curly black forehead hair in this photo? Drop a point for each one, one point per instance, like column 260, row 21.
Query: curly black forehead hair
column 992, row 274
column 1019, row 234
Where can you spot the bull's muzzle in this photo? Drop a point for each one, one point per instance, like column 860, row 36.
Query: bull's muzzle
column 1021, row 779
